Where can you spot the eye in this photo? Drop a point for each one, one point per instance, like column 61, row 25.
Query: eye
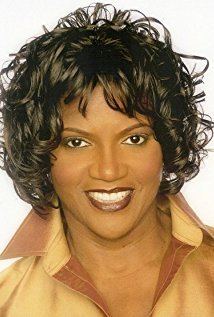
column 137, row 139
column 75, row 143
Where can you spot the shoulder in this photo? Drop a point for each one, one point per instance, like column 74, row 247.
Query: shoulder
column 203, row 257
column 12, row 275
column 18, row 267
column 208, row 240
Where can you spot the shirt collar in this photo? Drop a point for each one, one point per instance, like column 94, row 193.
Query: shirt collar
column 37, row 236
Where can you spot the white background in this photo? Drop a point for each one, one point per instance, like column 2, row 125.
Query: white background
column 192, row 28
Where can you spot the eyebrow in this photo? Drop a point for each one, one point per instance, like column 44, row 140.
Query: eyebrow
column 137, row 125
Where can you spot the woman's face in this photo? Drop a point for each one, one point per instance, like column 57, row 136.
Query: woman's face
column 105, row 154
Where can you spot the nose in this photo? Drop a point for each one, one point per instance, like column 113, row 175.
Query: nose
column 108, row 166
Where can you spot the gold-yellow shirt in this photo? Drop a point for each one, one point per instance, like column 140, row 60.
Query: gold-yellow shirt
column 48, row 281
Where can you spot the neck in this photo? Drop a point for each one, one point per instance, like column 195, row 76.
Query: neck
column 142, row 248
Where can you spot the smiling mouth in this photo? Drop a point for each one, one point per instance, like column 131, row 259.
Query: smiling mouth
column 110, row 205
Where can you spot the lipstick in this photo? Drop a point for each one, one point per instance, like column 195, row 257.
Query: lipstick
column 110, row 206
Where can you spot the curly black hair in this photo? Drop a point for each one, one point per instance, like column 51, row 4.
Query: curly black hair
column 99, row 44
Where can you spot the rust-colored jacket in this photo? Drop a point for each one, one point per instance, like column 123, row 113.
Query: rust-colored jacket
column 50, row 282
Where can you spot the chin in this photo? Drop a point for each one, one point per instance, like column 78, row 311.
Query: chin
column 112, row 228
column 109, row 235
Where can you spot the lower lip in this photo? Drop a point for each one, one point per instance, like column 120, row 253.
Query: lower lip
column 111, row 207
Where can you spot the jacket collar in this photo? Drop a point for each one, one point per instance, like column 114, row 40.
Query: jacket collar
column 37, row 236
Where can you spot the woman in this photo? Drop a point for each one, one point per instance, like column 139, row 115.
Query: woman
column 101, row 131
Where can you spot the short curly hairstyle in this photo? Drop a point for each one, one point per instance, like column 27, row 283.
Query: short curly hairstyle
column 99, row 44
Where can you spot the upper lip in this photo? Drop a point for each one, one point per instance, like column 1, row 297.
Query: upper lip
column 113, row 190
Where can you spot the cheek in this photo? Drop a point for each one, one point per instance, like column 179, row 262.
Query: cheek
column 66, row 174
column 149, row 169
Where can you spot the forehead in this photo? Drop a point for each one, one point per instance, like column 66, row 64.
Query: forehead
column 97, row 112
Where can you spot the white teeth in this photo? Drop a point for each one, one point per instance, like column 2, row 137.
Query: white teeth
column 113, row 197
